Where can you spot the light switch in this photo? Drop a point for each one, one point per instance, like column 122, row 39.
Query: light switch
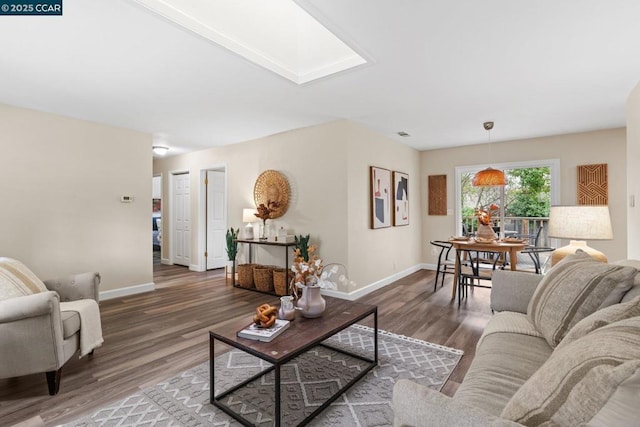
column 126, row 199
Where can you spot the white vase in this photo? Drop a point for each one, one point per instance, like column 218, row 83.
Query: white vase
column 311, row 304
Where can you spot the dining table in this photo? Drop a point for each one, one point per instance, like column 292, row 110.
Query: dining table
column 501, row 247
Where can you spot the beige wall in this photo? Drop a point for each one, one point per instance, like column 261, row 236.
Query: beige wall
column 61, row 184
column 606, row 146
column 327, row 167
column 379, row 254
column 633, row 172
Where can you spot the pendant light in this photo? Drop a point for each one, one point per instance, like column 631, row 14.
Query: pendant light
column 489, row 177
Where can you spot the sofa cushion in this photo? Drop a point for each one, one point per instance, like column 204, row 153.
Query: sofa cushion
column 70, row 323
column 600, row 318
column 502, row 364
column 579, row 378
column 509, row 322
column 572, row 290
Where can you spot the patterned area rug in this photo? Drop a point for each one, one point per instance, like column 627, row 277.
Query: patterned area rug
column 306, row 381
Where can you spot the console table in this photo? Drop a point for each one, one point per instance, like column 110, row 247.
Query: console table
column 252, row 242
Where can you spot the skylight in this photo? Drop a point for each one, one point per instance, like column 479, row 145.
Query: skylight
column 276, row 34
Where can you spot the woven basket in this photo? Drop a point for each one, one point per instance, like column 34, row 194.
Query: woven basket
column 281, row 279
column 245, row 275
column 263, row 278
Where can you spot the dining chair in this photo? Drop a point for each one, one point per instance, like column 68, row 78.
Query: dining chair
column 532, row 258
column 539, row 261
column 445, row 264
column 477, row 268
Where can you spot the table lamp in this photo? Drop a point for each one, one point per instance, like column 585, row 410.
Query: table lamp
column 579, row 223
column 249, row 218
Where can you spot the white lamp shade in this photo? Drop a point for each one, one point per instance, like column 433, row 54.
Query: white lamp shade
column 248, row 215
column 580, row 222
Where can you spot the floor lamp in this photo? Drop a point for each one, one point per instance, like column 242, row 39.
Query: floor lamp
column 579, row 223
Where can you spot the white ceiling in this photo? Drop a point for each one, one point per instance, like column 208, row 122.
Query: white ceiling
column 437, row 70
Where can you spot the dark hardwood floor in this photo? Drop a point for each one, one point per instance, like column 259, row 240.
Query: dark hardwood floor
column 152, row 336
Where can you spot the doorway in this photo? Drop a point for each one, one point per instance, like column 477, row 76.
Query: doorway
column 156, row 219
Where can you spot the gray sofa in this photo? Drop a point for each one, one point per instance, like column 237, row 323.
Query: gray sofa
column 561, row 349
column 43, row 324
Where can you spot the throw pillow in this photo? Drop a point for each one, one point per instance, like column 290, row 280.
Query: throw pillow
column 23, row 275
column 572, row 290
column 600, row 318
column 621, row 410
column 635, row 290
column 580, row 378
column 16, row 280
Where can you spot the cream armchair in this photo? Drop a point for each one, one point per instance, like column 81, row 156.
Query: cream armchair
column 42, row 328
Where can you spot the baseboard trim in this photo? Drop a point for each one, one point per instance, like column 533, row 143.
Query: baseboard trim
column 354, row 295
column 196, row 267
column 129, row 290
column 165, row 261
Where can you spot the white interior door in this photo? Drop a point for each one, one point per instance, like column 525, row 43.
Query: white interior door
column 181, row 219
column 216, row 220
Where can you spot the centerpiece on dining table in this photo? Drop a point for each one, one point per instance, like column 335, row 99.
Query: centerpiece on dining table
column 485, row 229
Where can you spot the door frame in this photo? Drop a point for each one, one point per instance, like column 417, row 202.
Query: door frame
column 202, row 210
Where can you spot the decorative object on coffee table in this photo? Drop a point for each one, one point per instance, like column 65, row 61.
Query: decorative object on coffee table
column 308, row 278
column 286, row 311
column 272, row 187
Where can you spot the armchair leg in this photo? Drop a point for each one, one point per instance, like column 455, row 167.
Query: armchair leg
column 53, row 381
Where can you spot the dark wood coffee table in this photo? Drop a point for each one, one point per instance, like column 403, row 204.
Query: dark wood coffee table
column 302, row 335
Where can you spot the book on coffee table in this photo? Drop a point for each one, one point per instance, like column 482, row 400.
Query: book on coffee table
column 257, row 333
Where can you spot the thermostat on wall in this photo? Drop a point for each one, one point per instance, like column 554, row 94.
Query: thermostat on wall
column 126, row 199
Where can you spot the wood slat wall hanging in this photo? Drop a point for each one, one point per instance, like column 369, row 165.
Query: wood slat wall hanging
column 437, row 194
column 593, row 185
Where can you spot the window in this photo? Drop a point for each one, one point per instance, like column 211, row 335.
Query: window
column 532, row 187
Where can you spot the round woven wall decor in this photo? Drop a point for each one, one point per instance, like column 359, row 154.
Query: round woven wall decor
column 272, row 186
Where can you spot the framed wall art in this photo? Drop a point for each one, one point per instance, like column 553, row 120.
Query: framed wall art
column 593, row 184
column 437, row 188
column 400, row 198
column 381, row 197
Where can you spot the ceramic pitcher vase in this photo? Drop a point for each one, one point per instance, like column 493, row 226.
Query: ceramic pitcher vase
column 311, row 304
